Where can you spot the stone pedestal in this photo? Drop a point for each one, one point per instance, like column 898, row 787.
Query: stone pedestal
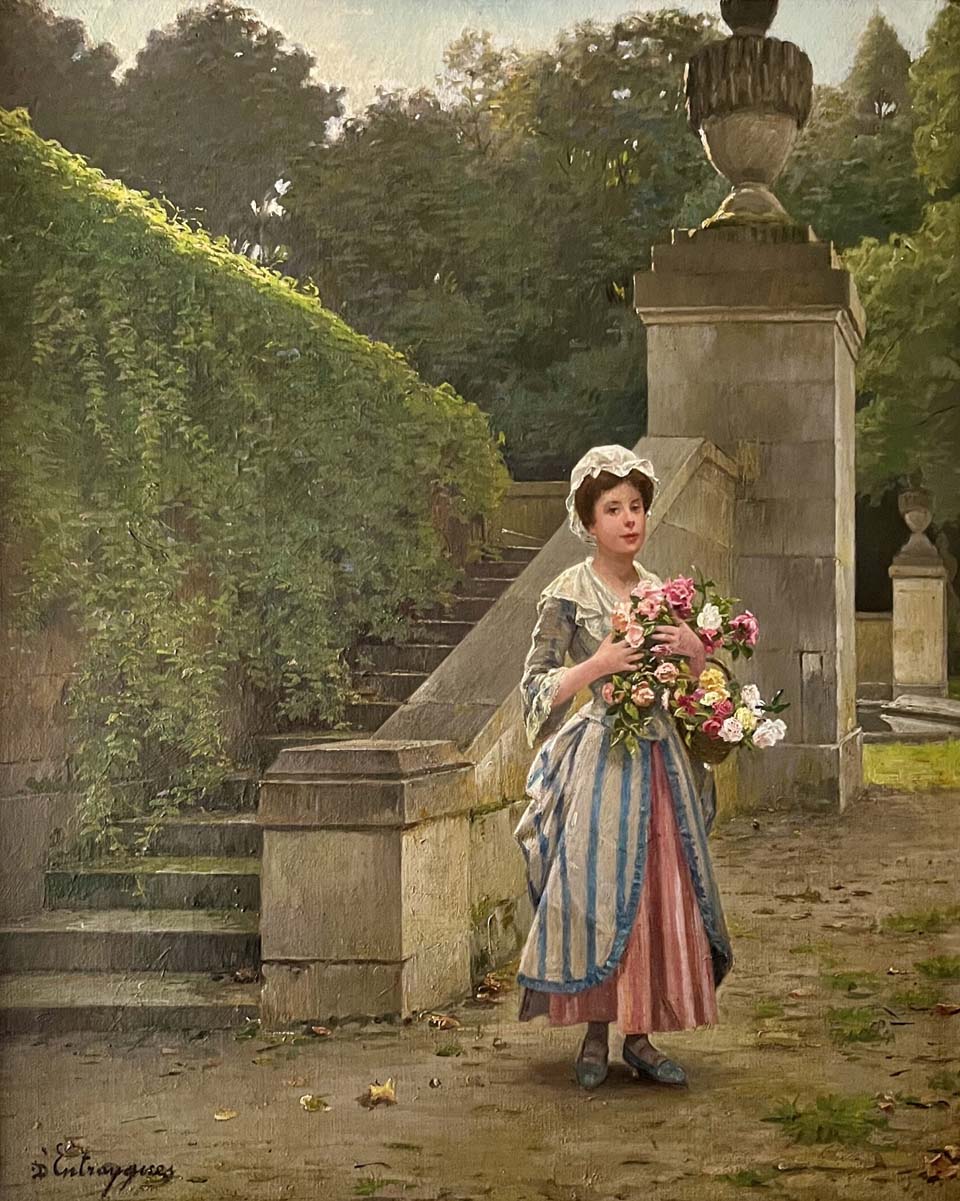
column 365, row 904
column 753, row 345
column 919, row 628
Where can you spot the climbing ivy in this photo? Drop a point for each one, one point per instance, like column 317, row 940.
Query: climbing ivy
column 220, row 481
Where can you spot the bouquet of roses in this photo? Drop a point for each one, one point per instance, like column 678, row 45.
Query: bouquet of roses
column 633, row 697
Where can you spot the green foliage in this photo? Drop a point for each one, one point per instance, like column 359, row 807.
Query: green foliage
column 923, row 921
column 493, row 238
column 923, row 996
column 857, row 1024
column 910, row 368
column 220, row 481
column 936, row 102
column 831, row 1119
column 879, row 80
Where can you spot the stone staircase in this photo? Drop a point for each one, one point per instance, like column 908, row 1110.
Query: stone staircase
column 170, row 938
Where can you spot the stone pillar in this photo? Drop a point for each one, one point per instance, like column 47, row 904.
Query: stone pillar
column 753, row 332
column 365, row 897
column 919, row 606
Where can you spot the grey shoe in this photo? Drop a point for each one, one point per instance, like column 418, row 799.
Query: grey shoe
column 590, row 1072
column 664, row 1072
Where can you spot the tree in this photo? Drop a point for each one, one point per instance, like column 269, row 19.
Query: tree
column 936, row 102
column 910, row 367
column 215, row 110
column 879, row 81
column 49, row 67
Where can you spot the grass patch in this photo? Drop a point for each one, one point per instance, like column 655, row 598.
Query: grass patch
column 371, row 1185
column 946, row 1082
column 448, row 1050
column 831, row 1119
column 749, row 1177
column 940, row 967
column 769, row 1007
column 859, row 1024
column 922, row 921
column 919, row 996
column 858, row 982
column 913, row 768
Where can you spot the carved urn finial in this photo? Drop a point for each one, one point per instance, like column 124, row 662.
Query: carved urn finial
column 747, row 98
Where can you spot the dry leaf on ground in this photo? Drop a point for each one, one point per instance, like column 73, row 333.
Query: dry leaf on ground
column 378, row 1094
column 443, row 1021
column 944, row 1165
column 321, row 1031
column 314, row 1104
column 945, row 1009
column 224, row 1115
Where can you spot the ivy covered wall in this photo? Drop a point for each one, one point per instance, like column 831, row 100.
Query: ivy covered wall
column 216, row 481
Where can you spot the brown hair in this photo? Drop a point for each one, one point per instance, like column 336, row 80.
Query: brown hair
column 594, row 486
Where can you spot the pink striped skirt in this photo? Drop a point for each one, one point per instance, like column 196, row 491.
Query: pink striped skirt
column 664, row 980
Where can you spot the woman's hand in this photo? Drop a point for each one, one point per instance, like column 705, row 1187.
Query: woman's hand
column 616, row 658
column 683, row 640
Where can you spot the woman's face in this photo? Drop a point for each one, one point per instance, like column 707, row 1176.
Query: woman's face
column 619, row 521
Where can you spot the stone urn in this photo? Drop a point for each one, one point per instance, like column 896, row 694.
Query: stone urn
column 916, row 511
column 747, row 98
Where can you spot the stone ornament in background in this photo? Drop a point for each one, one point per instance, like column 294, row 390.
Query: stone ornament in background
column 914, row 506
column 747, row 98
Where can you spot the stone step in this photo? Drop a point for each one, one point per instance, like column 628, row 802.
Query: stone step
column 464, row 608
column 59, row 1002
column 366, row 716
column 237, row 794
column 121, row 940
column 409, row 656
column 517, row 554
column 501, row 569
column 442, row 632
column 492, row 586
column 220, row 834
column 155, row 882
column 390, row 685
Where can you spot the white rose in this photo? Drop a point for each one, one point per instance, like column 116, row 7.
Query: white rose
column 709, row 618
column 665, row 699
column 711, row 697
column 769, row 732
column 731, row 730
column 750, row 696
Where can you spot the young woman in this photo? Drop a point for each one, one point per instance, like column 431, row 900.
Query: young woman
column 628, row 925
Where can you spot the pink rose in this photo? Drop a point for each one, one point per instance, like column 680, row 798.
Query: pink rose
column 679, row 594
column 723, row 708
column 666, row 672
column 607, row 692
column 642, row 695
column 620, row 621
column 745, row 628
column 661, row 649
column 634, row 635
column 711, row 727
column 698, row 693
column 644, row 588
column 711, row 639
column 649, row 607
column 685, row 703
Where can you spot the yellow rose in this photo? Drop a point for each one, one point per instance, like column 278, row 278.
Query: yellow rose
column 747, row 719
column 713, row 679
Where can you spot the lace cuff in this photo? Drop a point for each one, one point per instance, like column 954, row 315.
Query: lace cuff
column 541, row 703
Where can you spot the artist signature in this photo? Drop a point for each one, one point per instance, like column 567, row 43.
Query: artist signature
column 72, row 1162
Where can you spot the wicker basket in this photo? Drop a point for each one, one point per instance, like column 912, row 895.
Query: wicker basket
column 703, row 748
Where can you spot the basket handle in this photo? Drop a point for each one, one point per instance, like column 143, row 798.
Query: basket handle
column 723, row 667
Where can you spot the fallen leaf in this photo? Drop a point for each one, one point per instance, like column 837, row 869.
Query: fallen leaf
column 296, row 1082
column 944, row 1165
column 945, row 1009
column 435, row 1082
column 314, row 1104
column 894, row 971
column 798, row 917
column 246, row 975
column 803, row 992
column 224, row 1115
column 321, row 1031
column 378, row 1094
column 443, row 1021
column 927, row 1101
column 862, row 892
column 500, row 1042
column 778, row 1038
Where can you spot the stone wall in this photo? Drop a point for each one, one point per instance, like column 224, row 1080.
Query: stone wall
column 534, row 510
column 874, row 655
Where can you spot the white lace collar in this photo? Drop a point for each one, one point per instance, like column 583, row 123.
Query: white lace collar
column 595, row 600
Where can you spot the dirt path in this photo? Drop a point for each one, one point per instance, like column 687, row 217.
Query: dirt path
column 807, row 898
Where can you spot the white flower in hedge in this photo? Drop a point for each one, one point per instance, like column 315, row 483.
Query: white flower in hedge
column 709, row 618
column 731, row 730
column 769, row 732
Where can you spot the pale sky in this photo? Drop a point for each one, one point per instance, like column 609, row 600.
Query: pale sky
column 360, row 43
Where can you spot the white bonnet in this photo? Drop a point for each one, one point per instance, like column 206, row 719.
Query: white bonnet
column 615, row 459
